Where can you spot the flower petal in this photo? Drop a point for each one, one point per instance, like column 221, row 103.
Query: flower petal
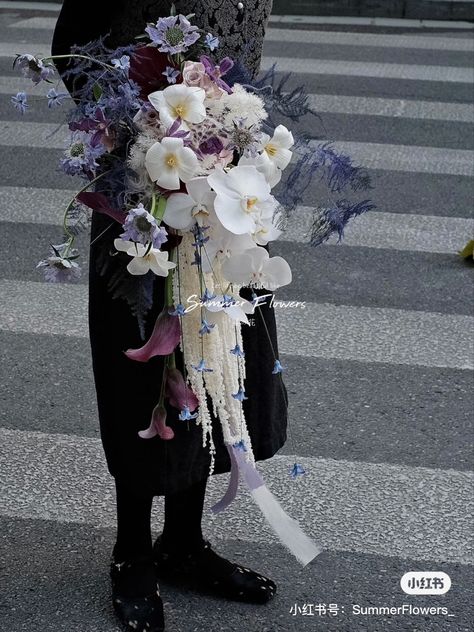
column 163, row 340
column 178, row 211
column 179, row 393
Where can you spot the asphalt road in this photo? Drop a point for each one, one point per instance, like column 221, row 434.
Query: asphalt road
column 379, row 364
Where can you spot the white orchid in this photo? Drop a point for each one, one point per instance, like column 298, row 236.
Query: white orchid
column 223, row 244
column 266, row 230
column 243, row 198
column 197, row 205
column 256, row 268
column 235, row 307
column 264, row 165
column 277, row 148
column 179, row 101
column 145, row 258
column 169, row 161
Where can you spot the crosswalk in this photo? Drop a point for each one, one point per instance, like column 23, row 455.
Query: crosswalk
column 361, row 496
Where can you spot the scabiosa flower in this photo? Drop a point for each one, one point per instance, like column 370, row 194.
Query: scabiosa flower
column 237, row 351
column 174, row 34
column 59, row 267
column 186, row 415
column 201, row 367
column 141, row 226
column 82, row 154
column 122, row 64
column 297, row 470
column 240, row 395
column 33, row 68
column 171, row 74
column 212, row 42
column 19, row 102
column 55, row 99
column 277, row 367
column 244, row 138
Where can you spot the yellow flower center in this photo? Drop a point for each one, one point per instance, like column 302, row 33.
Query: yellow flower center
column 171, row 161
column 271, row 149
column 251, row 203
column 179, row 111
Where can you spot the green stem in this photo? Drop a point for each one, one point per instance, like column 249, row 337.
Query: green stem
column 71, row 56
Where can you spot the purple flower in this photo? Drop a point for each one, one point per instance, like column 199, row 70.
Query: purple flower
column 173, row 34
column 297, row 470
column 277, row 368
column 19, row 102
column 240, row 395
column 212, row 42
column 33, row 68
column 237, row 351
column 171, row 74
column 96, row 123
column 201, row 367
column 164, row 338
column 207, row 296
column 55, row 99
column 60, row 267
column 81, row 155
column 216, row 72
column 179, row 311
column 211, row 146
column 122, row 64
column 185, row 414
column 141, row 226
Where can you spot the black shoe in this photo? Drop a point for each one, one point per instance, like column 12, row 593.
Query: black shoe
column 137, row 609
column 205, row 571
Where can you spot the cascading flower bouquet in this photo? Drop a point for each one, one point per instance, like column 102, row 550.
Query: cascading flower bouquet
column 184, row 155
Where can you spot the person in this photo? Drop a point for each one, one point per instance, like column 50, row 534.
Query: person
column 127, row 391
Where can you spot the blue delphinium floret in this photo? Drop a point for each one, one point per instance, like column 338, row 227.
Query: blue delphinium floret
column 19, row 102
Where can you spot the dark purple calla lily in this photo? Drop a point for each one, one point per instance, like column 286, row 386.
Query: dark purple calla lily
column 163, row 340
column 100, row 203
column 157, row 426
column 178, row 392
column 147, row 64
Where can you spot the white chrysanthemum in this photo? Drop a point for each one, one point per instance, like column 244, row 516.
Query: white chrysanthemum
column 241, row 104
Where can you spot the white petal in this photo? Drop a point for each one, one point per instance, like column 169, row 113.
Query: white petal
column 282, row 158
column 238, row 268
column 157, row 99
column 168, row 179
column 122, row 245
column 195, row 112
column 230, row 214
column 283, row 137
column 220, row 183
column 138, row 265
column 154, row 160
column 248, row 181
column 277, row 272
column 178, row 211
column 198, row 188
column 187, row 164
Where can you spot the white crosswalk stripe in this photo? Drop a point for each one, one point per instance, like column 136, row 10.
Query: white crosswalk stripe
column 66, row 480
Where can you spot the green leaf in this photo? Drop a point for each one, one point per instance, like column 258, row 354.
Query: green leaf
column 160, row 208
column 97, row 91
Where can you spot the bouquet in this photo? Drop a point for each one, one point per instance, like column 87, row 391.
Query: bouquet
column 184, row 154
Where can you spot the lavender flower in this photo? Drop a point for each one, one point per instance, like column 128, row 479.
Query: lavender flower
column 206, row 327
column 207, row 296
column 240, row 395
column 201, row 367
column 173, row 34
column 237, row 351
column 179, row 311
column 171, row 74
column 186, row 415
column 33, row 68
column 55, row 99
column 81, row 155
column 19, row 102
column 277, row 367
column 59, row 267
column 212, row 42
column 141, row 226
column 122, row 64
column 297, row 470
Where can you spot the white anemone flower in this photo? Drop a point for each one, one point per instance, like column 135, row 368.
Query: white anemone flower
column 145, row 259
column 243, row 197
column 197, row 205
column 256, row 268
column 169, row 161
column 179, row 101
column 277, row 148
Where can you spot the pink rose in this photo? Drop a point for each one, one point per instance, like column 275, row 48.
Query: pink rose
column 194, row 74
